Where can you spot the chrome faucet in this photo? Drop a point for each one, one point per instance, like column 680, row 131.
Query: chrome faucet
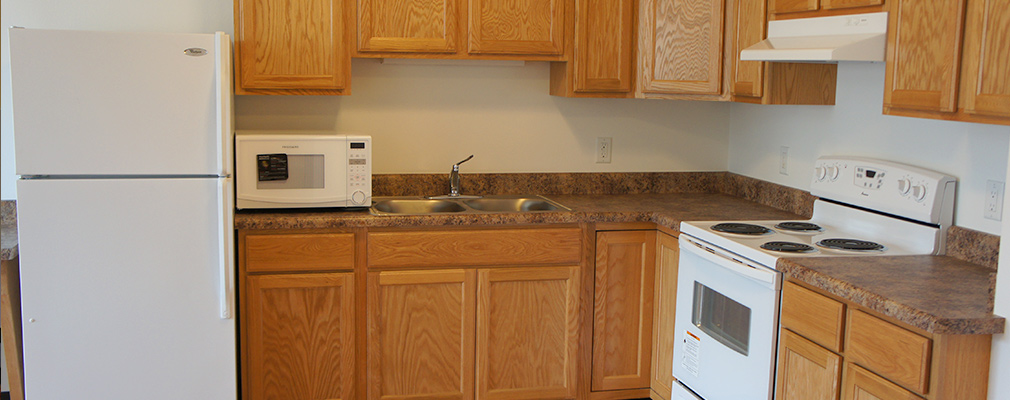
column 454, row 186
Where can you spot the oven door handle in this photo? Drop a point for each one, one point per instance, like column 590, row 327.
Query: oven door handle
column 762, row 275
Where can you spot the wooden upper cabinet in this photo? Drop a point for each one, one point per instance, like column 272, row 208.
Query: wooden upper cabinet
column 836, row 4
column 521, row 27
column 527, row 332
column 421, row 334
column 788, row 6
column 681, row 46
column 923, row 54
column 414, row 26
column 986, row 58
column 297, row 45
column 805, row 370
column 748, row 76
column 622, row 309
column 298, row 337
column 663, row 314
column 604, row 32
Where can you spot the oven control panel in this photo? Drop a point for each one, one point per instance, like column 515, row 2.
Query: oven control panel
column 894, row 188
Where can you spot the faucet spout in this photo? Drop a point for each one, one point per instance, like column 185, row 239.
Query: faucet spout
column 454, row 183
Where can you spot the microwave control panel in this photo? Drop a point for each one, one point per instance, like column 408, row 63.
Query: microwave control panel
column 359, row 170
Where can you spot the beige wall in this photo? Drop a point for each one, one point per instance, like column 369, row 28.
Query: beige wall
column 424, row 118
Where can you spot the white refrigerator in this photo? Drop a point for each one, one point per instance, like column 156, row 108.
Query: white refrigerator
column 125, row 207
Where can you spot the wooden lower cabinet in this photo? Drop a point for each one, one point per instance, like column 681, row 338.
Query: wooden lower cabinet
column 663, row 313
column 806, row 371
column 298, row 337
column 861, row 384
column 527, row 332
column 622, row 309
column 421, row 334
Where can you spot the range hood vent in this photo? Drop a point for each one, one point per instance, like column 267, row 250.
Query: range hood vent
column 859, row 37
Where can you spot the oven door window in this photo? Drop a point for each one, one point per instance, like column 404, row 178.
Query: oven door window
column 721, row 318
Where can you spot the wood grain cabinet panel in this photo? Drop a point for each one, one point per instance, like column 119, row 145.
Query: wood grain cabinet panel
column 812, row 315
column 788, row 6
column 861, row 384
column 604, row 32
column 986, row 58
column 893, row 352
column 923, row 54
column 298, row 340
column 806, row 371
column 291, row 44
column 748, row 76
column 522, row 27
column 663, row 315
column 298, row 252
column 681, row 45
column 421, row 334
column 408, row 26
column 622, row 317
column 839, row 4
column 527, row 333
column 477, row 247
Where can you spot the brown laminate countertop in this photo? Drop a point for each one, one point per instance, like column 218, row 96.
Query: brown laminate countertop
column 9, row 237
column 938, row 294
column 663, row 209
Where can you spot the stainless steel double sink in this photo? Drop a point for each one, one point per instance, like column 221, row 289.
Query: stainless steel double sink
column 486, row 204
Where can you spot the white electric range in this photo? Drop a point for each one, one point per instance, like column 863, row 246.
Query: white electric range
column 728, row 288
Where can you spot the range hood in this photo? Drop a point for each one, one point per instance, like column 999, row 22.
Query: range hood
column 859, row 37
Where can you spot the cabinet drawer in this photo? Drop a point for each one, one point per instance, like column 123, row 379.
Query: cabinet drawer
column 474, row 247
column 298, row 252
column 886, row 349
column 813, row 316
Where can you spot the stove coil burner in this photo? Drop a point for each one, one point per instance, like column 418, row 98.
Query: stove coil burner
column 850, row 244
column 788, row 247
column 741, row 229
column 799, row 227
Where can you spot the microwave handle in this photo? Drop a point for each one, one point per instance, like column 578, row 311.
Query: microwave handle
column 762, row 275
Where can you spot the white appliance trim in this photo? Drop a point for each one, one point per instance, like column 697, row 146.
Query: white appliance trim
column 859, row 37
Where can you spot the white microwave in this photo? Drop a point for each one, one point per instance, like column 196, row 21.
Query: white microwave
column 281, row 170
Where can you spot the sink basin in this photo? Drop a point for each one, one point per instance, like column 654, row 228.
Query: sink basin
column 490, row 204
column 417, row 206
column 514, row 204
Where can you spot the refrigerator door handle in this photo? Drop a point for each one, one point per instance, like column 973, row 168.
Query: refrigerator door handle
column 224, row 97
column 226, row 247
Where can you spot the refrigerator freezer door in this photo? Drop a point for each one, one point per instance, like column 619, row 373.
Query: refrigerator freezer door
column 105, row 103
column 121, row 291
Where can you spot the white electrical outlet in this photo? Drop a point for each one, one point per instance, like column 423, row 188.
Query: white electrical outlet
column 993, row 200
column 784, row 160
column 604, row 149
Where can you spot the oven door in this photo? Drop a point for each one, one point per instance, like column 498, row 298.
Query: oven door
column 727, row 312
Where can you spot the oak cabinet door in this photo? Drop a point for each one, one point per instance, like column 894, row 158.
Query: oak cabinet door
column 788, row 6
column 299, row 337
column 604, row 41
column 663, row 315
column 748, row 76
column 838, row 4
column 408, row 26
column 622, row 309
column 860, row 384
column 681, row 45
column 527, row 332
column 523, row 27
column 923, row 54
column 421, row 334
column 806, row 371
column 986, row 60
column 291, row 44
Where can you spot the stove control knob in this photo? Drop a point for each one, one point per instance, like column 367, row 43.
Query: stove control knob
column 833, row 172
column 820, row 173
column 919, row 192
column 904, row 185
